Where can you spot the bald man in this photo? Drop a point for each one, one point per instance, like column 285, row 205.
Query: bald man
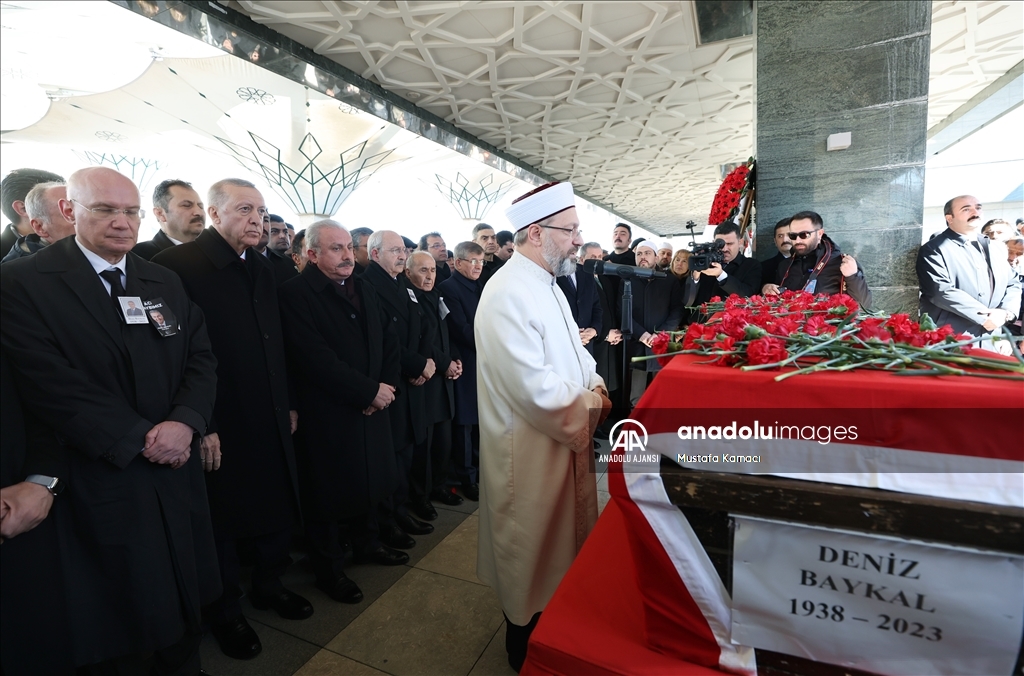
column 127, row 408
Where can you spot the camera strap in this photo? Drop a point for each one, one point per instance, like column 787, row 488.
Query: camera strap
column 812, row 281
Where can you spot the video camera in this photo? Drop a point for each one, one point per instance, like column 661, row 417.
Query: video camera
column 706, row 254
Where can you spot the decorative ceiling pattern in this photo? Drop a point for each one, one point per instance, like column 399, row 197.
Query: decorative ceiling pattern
column 617, row 97
column 973, row 44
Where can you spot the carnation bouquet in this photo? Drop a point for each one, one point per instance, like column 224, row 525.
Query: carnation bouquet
column 737, row 185
column 819, row 333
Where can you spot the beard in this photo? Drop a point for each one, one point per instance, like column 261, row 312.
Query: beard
column 558, row 260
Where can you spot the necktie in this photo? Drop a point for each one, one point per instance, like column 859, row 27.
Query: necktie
column 113, row 277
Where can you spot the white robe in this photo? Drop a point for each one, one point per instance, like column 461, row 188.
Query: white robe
column 538, row 498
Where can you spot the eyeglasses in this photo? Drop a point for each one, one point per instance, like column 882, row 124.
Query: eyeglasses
column 475, row 262
column 436, row 247
column 395, row 250
column 801, row 235
column 110, row 212
column 576, row 232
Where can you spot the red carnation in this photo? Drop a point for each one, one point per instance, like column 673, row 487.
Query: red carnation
column 817, row 326
column 693, row 332
column 766, row 350
column 660, row 343
column 727, row 345
column 873, row 328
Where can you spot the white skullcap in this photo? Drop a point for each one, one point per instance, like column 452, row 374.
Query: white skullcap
column 650, row 244
column 539, row 204
column 664, row 244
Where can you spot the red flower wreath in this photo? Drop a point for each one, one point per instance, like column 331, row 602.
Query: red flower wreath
column 727, row 199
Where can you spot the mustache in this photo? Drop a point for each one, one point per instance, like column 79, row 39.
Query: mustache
column 346, row 264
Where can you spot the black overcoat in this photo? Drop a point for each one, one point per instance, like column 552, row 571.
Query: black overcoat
column 339, row 358
column 439, row 391
column 461, row 296
column 408, row 414
column 584, row 302
column 136, row 542
column 255, row 491
column 152, row 247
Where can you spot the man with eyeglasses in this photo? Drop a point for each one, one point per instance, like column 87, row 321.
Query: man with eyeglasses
column 966, row 280
column 247, row 452
column 180, row 213
column 126, row 408
column 540, row 400
column 360, row 236
column 817, row 265
column 461, row 294
column 386, row 274
column 433, row 244
column 483, row 235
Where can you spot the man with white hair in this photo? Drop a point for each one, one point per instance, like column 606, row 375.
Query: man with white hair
column 540, row 399
column 42, row 204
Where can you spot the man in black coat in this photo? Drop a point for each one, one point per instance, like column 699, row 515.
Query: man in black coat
column 817, row 265
column 739, row 275
column 345, row 362
column 461, row 294
column 13, row 191
column 254, row 493
column 483, row 234
column 431, row 457
column 128, row 406
column 386, row 274
column 581, row 291
column 657, row 306
column 770, row 267
column 179, row 210
column 433, row 244
column 607, row 354
column 277, row 251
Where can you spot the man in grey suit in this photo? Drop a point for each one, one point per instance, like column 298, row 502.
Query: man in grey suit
column 964, row 277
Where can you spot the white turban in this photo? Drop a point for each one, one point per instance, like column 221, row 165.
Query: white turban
column 650, row 244
column 664, row 244
column 539, row 204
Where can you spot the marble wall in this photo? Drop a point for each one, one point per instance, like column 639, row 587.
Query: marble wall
column 838, row 66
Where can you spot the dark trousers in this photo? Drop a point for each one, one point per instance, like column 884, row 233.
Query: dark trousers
column 398, row 503
column 466, row 453
column 430, row 462
column 179, row 659
column 323, row 542
column 363, row 532
column 271, row 559
column 517, row 638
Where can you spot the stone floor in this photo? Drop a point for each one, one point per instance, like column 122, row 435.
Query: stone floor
column 431, row 616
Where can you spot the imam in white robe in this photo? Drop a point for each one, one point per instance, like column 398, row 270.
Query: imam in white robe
column 538, row 496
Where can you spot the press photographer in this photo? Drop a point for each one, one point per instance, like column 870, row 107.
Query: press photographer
column 719, row 269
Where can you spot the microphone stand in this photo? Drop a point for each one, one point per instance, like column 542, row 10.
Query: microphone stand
column 627, row 334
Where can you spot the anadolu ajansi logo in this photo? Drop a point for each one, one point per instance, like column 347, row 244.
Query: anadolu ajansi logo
column 627, row 439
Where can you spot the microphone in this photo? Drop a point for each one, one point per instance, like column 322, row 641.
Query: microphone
column 623, row 271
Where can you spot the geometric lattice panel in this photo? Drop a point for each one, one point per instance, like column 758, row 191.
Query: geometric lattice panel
column 617, row 97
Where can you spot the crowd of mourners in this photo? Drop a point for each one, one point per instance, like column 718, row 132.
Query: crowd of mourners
column 233, row 391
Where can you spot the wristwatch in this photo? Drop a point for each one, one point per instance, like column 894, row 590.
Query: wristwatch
column 50, row 483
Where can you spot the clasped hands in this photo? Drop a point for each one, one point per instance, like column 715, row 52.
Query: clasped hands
column 385, row 395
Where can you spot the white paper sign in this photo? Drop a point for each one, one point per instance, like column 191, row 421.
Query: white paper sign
column 875, row 603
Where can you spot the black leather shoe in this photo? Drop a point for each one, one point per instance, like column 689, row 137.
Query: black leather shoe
column 341, row 589
column 395, row 537
column 424, row 510
column 288, row 605
column 383, row 556
column 237, row 639
column 412, row 525
column 471, row 491
column 446, row 497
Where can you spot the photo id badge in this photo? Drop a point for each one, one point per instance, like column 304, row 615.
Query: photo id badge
column 412, row 296
column 161, row 317
column 132, row 309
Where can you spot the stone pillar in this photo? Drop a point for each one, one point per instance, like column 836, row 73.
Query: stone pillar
column 846, row 66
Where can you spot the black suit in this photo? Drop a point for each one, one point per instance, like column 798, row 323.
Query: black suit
column 742, row 278
column 584, row 301
column 607, row 356
column 284, row 266
column 462, row 296
column 490, row 267
column 431, row 457
column 136, row 540
column 154, row 246
column 9, row 236
column 657, row 306
column 770, row 269
column 408, row 414
column 443, row 273
column 254, row 494
column 339, row 356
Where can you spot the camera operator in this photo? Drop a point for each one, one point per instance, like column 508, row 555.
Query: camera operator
column 657, row 306
column 817, row 265
column 735, row 274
